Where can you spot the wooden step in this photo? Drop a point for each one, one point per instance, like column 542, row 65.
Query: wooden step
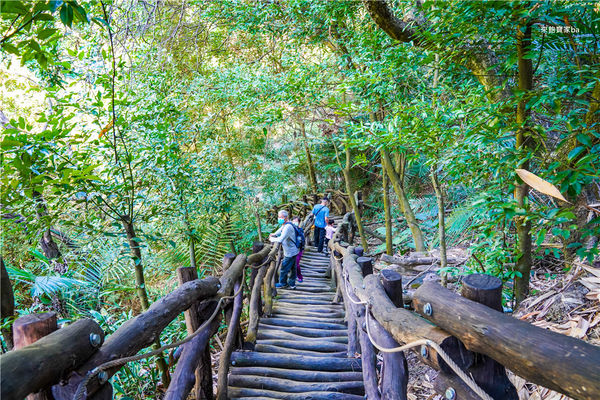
column 243, row 393
column 298, row 375
column 308, row 332
column 290, row 386
column 332, row 364
column 298, row 323
column 267, row 348
column 310, row 345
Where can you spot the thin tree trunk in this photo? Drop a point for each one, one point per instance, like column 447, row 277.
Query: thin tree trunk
column 7, row 303
column 136, row 256
column 397, row 178
column 258, row 224
column 192, row 253
column 439, row 196
column 312, row 175
column 523, row 142
column 389, row 247
column 49, row 246
column 350, row 190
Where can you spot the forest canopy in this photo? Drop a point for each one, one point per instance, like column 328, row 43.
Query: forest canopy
column 141, row 136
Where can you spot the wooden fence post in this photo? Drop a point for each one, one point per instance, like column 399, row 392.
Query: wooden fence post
column 367, row 351
column 488, row 373
column 29, row 329
column 192, row 319
column 366, row 265
column 394, row 380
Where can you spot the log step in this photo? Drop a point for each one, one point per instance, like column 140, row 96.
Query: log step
column 266, row 348
column 241, row 393
column 306, row 324
column 331, row 364
column 298, row 375
column 290, row 386
column 322, row 346
column 301, row 331
column 301, row 348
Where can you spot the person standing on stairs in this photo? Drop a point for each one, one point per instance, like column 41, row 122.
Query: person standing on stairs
column 329, row 231
column 321, row 212
column 296, row 222
column 286, row 235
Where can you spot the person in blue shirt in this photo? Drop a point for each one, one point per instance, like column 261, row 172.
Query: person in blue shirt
column 321, row 212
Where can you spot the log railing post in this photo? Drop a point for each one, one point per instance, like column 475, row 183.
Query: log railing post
column 394, row 379
column 192, row 319
column 367, row 351
column 28, row 330
column 488, row 373
column 268, row 280
column 232, row 334
column 366, row 265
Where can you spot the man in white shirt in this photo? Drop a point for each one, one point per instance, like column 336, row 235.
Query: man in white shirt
column 286, row 235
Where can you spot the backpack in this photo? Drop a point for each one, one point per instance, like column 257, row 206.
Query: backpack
column 300, row 239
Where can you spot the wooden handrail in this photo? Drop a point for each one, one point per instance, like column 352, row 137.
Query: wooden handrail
column 553, row 360
column 44, row 362
column 561, row 363
column 183, row 378
column 139, row 332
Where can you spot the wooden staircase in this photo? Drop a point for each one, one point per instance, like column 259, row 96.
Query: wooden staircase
column 300, row 351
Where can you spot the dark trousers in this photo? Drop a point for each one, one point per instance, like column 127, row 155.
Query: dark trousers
column 288, row 266
column 319, row 238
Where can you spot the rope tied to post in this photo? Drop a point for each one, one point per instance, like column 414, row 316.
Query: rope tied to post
column 80, row 393
column 469, row 381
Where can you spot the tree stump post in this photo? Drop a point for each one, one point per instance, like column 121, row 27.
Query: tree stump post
column 392, row 283
column 359, row 251
column 366, row 266
column 394, row 375
column 28, row 330
column 489, row 374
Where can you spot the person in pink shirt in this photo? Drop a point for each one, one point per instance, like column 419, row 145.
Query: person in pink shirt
column 329, row 231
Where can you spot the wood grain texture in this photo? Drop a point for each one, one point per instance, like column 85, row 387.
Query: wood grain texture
column 558, row 362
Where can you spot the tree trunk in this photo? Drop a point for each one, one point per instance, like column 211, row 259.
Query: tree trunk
column 192, row 253
column 312, row 175
column 49, row 246
column 351, row 197
column 7, row 303
column 136, row 256
column 389, row 247
column 397, row 179
column 258, row 225
column 439, row 196
column 523, row 142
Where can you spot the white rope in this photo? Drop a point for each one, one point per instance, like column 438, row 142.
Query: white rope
column 349, row 292
column 426, row 342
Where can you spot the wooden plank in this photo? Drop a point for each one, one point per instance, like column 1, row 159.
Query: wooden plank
column 252, row 359
column 43, row 363
column 253, row 393
column 299, row 375
column 558, row 362
column 289, row 386
column 305, row 345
